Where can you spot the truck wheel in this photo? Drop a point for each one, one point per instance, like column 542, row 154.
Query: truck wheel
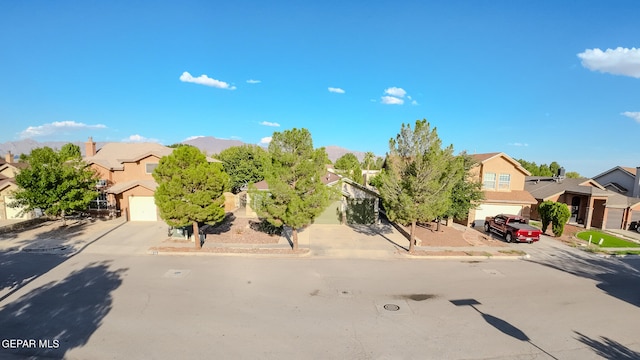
column 638, row 228
column 508, row 237
column 486, row 227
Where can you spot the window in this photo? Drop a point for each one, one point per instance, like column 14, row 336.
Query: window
column 100, row 203
column 101, row 183
column 504, row 182
column 149, row 167
column 489, row 181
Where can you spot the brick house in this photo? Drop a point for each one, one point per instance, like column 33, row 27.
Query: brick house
column 590, row 203
column 503, row 180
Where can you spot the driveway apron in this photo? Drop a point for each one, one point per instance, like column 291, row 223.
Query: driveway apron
column 355, row 241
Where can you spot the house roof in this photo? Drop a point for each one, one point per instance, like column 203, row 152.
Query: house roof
column 482, row 158
column 543, row 188
column 119, row 188
column 112, row 156
column 6, row 182
column 614, row 186
column 513, row 196
column 629, row 171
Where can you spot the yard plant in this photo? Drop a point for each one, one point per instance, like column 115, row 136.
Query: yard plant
column 555, row 213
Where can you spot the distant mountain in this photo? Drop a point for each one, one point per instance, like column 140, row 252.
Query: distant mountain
column 335, row 152
column 25, row 146
column 212, row 145
column 208, row 144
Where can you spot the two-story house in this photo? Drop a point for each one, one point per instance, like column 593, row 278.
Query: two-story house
column 8, row 171
column 503, row 181
column 125, row 172
column 621, row 179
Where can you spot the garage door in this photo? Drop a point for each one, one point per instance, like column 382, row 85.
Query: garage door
column 614, row 218
column 330, row 215
column 142, row 208
column 13, row 213
column 492, row 210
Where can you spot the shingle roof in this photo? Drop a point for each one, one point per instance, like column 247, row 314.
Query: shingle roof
column 113, row 155
column 545, row 187
column 124, row 186
column 513, row 196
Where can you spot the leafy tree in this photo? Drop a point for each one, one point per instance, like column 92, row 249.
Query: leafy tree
column 555, row 213
column 190, row 189
column 466, row 193
column 369, row 161
column 420, row 175
column 349, row 166
column 544, row 169
column 57, row 182
column 573, row 175
column 244, row 164
column 294, row 174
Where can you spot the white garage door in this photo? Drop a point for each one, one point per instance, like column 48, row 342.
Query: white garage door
column 492, row 210
column 142, row 208
column 13, row 213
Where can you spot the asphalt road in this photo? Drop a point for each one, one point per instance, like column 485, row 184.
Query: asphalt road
column 102, row 304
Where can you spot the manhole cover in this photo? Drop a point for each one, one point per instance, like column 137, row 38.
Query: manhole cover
column 391, row 307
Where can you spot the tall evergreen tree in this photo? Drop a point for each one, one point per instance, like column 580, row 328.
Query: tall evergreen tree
column 420, row 174
column 190, row 189
column 467, row 193
column 294, row 174
column 57, row 182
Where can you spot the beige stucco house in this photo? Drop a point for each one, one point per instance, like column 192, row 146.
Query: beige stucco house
column 8, row 171
column 503, row 180
column 126, row 183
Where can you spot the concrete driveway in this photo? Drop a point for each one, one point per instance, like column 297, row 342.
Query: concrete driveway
column 354, row 241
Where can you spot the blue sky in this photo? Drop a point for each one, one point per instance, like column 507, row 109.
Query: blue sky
column 540, row 80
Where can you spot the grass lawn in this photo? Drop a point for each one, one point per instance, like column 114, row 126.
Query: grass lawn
column 610, row 241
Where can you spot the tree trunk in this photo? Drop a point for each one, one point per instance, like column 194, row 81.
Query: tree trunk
column 438, row 224
column 196, row 235
column 412, row 237
column 294, row 238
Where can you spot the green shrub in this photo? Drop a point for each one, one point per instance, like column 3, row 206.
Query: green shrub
column 555, row 213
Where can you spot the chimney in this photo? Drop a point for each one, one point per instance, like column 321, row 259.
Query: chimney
column 9, row 157
column 636, row 184
column 90, row 147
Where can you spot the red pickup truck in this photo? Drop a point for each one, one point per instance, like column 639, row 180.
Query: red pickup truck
column 512, row 227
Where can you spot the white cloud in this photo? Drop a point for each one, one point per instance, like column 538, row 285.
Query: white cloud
column 336, row 90
column 395, row 91
column 192, row 138
column 265, row 140
column 413, row 102
column 252, row 81
column 205, row 80
column 57, row 127
column 267, row 123
column 619, row 61
column 390, row 100
column 635, row 115
column 139, row 138
column 518, row 144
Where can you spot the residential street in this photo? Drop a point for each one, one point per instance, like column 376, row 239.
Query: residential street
column 105, row 303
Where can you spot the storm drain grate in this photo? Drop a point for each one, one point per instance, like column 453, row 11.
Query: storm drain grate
column 391, row 307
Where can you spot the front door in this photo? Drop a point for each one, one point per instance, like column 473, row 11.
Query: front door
column 575, row 209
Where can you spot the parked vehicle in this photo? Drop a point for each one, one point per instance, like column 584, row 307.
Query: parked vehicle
column 512, row 228
column 635, row 225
